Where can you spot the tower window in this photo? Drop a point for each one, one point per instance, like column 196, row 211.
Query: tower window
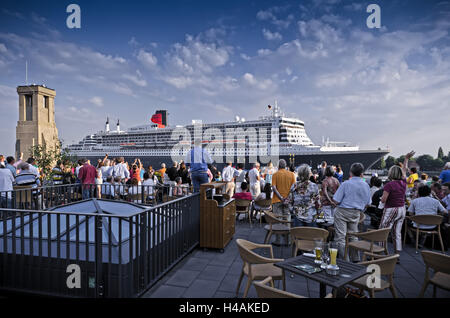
column 46, row 107
column 28, row 107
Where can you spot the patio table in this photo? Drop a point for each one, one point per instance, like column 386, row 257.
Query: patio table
column 348, row 272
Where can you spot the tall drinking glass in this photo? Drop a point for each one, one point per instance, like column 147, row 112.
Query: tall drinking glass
column 318, row 248
column 333, row 253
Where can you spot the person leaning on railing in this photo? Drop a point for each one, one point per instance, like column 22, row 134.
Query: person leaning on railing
column 26, row 177
column 57, row 173
column 87, row 175
column 108, row 188
column 198, row 159
column 6, row 187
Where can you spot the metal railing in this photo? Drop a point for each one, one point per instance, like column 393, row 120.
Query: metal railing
column 120, row 255
column 49, row 196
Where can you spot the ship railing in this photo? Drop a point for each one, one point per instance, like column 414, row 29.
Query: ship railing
column 84, row 254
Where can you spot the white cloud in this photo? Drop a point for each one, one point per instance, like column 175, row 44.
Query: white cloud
column 179, row 82
column 264, row 52
column 354, row 6
column 197, row 56
column 97, row 101
column 123, row 89
column 136, row 79
column 133, row 41
column 3, row 48
column 245, row 57
column 272, row 35
column 269, row 15
column 147, row 59
column 259, row 84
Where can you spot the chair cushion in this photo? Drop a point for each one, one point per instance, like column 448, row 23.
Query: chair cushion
column 262, row 271
column 441, row 280
column 278, row 228
column 362, row 283
column 365, row 246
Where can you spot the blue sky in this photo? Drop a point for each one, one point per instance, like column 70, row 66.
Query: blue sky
column 213, row 60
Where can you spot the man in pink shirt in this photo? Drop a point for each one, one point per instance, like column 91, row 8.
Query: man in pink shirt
column 87, row 175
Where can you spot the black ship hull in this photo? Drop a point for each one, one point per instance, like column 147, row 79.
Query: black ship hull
column 345, row 159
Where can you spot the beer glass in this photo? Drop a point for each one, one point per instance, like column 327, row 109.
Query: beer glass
column 333, row 253
column 318, row 248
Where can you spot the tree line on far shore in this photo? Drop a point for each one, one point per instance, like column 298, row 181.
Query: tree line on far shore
column 426, row 162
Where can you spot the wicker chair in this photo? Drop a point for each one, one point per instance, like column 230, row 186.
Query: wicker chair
column 440, row 263
column 262, row 206
column 243, row 207
column 426, row 220
column 367, row 241
column 264, row 291
column 303, row 238
column 387, row 268
column 257, row 267
column 276, row 226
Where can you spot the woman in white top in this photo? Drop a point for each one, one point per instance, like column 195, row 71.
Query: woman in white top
column 268, row 173
column 99, row 180
column 240, row 177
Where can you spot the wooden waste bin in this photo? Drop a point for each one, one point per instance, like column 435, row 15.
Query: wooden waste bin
column 217, row 217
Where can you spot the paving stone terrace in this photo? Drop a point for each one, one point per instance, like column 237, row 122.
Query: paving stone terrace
column 208, row 273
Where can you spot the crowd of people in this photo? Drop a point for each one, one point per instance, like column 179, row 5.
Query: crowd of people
column 301, row 193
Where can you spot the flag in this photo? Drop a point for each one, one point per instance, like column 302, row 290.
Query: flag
column 157, row 119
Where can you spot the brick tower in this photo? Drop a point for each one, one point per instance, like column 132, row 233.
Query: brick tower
column 36, row 125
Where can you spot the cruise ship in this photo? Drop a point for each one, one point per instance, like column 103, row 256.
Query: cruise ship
column 266, row 139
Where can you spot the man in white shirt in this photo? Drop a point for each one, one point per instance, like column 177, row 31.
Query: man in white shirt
column 6, row 187
column 107, row 169
column 424, row 205
column 254, row 178
column 32, row 168
column 228, row 174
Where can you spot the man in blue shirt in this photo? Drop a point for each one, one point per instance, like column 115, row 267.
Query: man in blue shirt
column 445, row 174
column 10, row 165
column 198, row 159
column 351, row 199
